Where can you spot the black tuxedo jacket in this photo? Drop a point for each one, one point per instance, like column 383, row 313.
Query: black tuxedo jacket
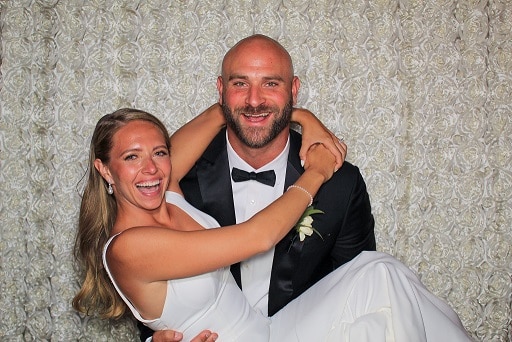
column 347, row 225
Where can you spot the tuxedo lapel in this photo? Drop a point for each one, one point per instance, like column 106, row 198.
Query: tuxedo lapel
column 287, row 251
column 215, row 186
column 215, row 182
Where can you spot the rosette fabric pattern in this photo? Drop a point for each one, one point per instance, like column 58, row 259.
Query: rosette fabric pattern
column 421, row 92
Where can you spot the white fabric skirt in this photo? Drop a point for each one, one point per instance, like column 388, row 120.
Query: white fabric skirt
column 372, row 298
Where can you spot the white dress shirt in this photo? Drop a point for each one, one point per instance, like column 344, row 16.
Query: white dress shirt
column 250, row 197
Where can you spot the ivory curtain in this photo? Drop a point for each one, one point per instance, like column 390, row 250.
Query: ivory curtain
column 420, row 90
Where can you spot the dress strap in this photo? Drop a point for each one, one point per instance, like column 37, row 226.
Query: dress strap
column 123, row 297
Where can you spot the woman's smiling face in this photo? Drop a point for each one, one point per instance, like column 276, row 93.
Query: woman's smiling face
column 139, row 167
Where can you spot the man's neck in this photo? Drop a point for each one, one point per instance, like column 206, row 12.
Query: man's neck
column 258, row 157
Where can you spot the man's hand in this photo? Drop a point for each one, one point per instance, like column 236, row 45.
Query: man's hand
column 174, row 336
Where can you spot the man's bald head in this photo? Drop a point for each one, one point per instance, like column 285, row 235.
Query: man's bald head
column 259, row 46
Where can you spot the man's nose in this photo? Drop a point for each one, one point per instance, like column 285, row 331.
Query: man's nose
column 255, row 97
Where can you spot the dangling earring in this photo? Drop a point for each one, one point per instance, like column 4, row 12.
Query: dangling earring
column 110, row 190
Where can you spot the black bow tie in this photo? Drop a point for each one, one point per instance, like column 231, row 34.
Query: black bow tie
column 264, row 177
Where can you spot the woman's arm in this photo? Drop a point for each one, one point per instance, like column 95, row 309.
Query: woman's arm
column 313, row 131
column 150, row 254
column 190, row 141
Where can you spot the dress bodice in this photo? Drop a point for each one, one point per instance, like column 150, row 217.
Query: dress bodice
column 207, row 301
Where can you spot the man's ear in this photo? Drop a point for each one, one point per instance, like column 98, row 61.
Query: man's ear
column 103, row 170
column 295, row 89
column 219, row 88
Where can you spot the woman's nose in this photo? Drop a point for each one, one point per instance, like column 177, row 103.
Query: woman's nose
column 150, row 166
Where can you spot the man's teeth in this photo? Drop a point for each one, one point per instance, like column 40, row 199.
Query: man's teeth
column 256, row 115
column 148, row 184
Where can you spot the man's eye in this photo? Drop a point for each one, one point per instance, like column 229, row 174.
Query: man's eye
column 272, row 84
column 238, row 84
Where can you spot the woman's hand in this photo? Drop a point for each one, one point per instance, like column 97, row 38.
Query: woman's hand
column 313, row 131
column 321, row 160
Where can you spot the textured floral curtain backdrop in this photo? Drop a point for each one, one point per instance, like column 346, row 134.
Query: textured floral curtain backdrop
column 421, row 91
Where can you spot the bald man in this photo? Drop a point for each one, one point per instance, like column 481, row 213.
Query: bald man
column 257, row 91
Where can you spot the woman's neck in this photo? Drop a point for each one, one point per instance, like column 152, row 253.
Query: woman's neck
column 135, row 217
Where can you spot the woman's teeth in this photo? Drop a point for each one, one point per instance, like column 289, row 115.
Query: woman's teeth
column 148, row 184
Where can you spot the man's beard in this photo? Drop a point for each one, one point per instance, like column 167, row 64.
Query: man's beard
column 257, row 137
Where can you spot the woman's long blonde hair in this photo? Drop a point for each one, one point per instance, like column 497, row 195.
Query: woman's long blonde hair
column 98, row 213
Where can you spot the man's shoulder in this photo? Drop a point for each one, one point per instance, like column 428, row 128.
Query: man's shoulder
column 345, row 189
column 347, row 169
column 344, row 181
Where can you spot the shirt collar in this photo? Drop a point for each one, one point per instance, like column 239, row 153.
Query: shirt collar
column 278, row 164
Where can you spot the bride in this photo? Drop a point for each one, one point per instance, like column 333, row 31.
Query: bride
column 171, row 272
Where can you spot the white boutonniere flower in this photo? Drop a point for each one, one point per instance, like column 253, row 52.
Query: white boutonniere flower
column 305, row 225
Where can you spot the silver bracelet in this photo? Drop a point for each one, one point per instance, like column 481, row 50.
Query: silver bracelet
column 301, row 188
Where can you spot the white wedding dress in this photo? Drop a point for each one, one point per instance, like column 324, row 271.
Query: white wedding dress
column 372, row 298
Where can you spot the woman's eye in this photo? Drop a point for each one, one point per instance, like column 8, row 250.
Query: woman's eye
column 162, row 153
column 130, row 157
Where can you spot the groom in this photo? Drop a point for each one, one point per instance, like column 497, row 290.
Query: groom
column 257, row 90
